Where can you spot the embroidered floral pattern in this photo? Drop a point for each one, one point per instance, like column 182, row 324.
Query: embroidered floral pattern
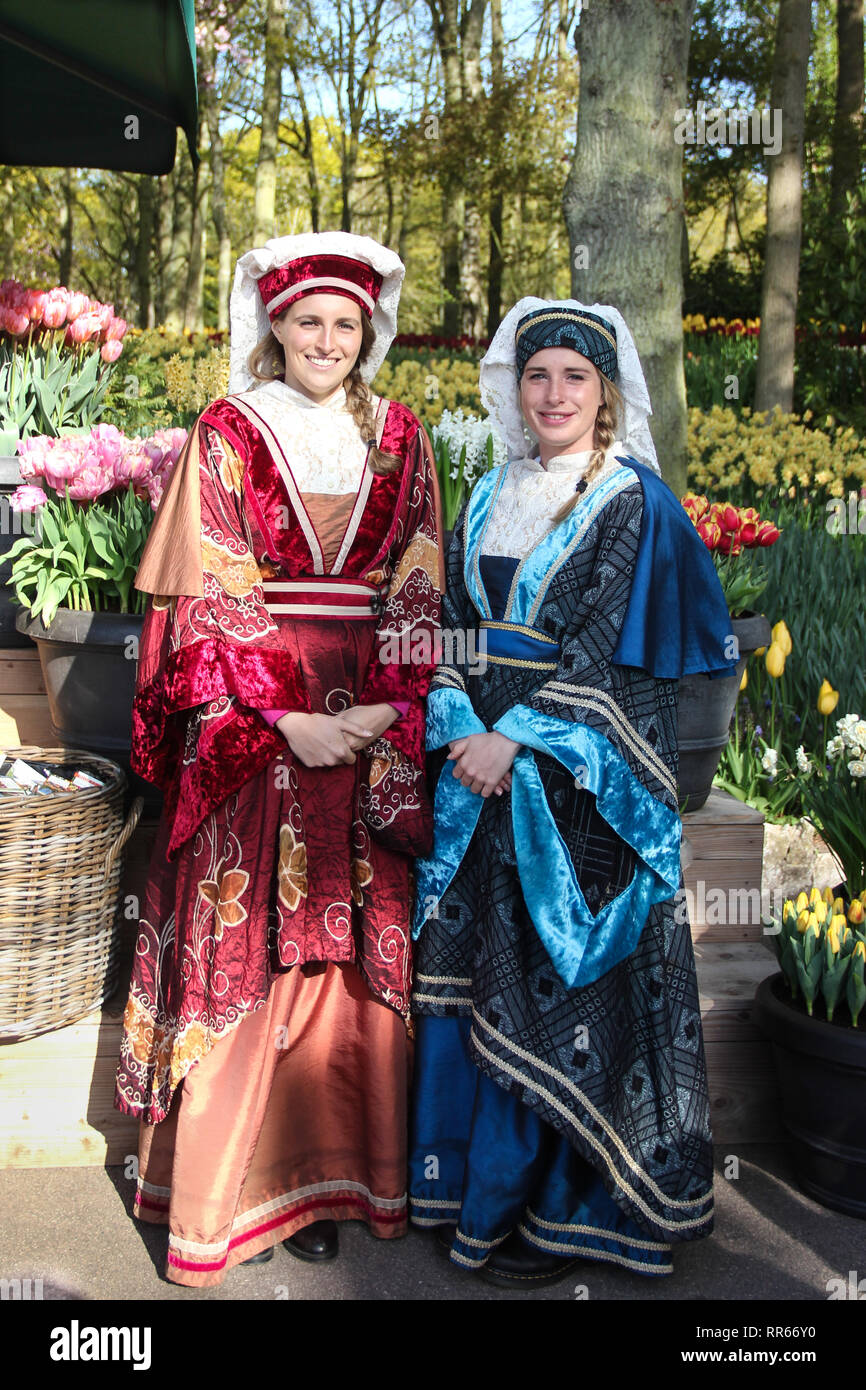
column 237, row 574
column 292, row 869
column 224, row 894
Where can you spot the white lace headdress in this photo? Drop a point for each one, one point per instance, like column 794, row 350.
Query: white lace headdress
column 248, row 317
column 500, row 393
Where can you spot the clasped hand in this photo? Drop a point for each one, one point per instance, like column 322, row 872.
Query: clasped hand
column 482, row 762
column 326, row 740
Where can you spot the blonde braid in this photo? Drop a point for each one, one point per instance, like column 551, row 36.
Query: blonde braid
column 360, row 405
column 604, row 435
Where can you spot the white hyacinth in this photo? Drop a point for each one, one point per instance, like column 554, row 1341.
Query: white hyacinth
column 458, row 429
column 770, row 761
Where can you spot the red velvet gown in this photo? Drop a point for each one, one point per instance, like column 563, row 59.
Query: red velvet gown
column 265, row 1043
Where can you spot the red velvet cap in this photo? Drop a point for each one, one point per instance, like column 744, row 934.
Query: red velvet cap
column 284, row 284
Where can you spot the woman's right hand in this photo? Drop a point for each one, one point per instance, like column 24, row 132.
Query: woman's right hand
column 316, row 739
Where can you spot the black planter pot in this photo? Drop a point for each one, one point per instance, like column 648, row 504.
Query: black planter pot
column 822, row 1080
column 89, row 662
column 705, row 709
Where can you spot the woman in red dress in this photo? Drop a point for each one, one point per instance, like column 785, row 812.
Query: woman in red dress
column 296, row 576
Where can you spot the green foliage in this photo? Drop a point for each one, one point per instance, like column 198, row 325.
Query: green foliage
column 821, row 952
column 82, row 557
column 51, row 391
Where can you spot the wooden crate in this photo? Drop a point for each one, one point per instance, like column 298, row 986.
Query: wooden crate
column 744, row 1104
column 723, row 853
column 24, row 717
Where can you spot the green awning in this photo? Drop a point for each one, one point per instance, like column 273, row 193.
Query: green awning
column 99, row 84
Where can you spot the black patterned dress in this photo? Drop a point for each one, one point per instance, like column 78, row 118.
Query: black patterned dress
column 560, row 1084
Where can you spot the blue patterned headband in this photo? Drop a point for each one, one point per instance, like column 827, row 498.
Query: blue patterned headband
column 586, row 333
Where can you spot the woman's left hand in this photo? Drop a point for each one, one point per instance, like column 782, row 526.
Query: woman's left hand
column 482, row 761
column 361, row 724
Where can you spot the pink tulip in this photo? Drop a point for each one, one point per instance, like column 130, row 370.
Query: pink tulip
column 31, row 455
column 15, row 322
column 61, row 464
column 54, row 313
column 155, row 488
column 83, row 328
column 78, row 304
column 34, row 304
column 90, row 482
column 27, row 499
column 134, row 465
column 115, row 330
column 107, row 444
column 109, row 352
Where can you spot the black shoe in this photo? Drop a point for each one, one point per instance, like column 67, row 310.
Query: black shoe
column 445, row 1237
column 516, row 1264
column 262, row 1258
column 315, row 1242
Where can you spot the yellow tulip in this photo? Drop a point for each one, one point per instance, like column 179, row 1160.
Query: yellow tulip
column 803, row 921
column 745, row 679
column 833, row 939
column 839, row 925
column 820, row 910
column 828, row 698
column 802, row 903
column 838, row 906
column 814, row 895
column 856, row 912
column 859, row 950
column 759, row 651
column 775, row 660
column 788, row 909
column 827, row 895
column 782, row 637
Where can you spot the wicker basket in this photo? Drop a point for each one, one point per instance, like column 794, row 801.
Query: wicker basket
column 60, row 867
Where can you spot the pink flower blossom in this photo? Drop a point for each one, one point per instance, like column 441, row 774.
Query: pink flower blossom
column 115, row 330
column 54, row 313
column 134, row 466
column 27, row 499
column 61, row 464
column 15, row 322
column 84, row 328
column 109, row 352
column 78, row 304
column 91, row 482
column 108, row 445
column 32, row 454
column 34, row 304
column 155, row 488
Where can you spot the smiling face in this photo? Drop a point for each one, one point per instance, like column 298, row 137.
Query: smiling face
column 560, row 393
column 321, row 338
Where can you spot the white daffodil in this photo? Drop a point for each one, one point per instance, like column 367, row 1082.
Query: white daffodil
column 857, row 767
column 770, row 761
column 834, row 748
column 803, row 760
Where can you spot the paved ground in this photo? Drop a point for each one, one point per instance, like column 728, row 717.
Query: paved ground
column 72, row 1228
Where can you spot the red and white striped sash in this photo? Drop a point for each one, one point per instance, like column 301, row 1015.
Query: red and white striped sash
column 323, row 596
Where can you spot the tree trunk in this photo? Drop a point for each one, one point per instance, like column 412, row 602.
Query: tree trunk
column 175, row 241
column 67, row 219
column 623, row 199
column 219, row 211
column 774, row 381
column 144, row 251
column 495, row 256
column 193, row 308
column 266, row 163
column 848, row 119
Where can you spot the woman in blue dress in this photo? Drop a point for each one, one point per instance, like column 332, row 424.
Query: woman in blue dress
column 561, row 1108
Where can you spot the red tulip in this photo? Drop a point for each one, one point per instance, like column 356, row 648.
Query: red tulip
column 710, row 533
column 748, row 533
column 768, row 534
column 729, row 518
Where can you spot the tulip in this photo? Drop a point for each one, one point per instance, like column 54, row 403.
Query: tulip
column 827, row 895
column 856, row 912
column 828, row 698
column 814, row 895
column 838, row 906
column 802, row 919
column 729, row 518
column 115, row 330
column 782, row 636
column 802, row 902
column 748, row 533
column 110, row 351
column 54, row 313
column 710, row 533
column 27, row 498
column 78, row 303
column 775, row 660
column 820, row 911
column 82, row 329
column 759, row 651
column 745, row 679
column 768, row 534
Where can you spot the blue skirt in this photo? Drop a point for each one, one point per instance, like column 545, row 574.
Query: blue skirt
column 482, row 1161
